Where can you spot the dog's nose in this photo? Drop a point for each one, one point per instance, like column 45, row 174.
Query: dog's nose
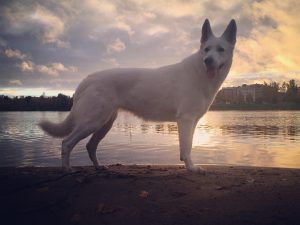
column 208, row 61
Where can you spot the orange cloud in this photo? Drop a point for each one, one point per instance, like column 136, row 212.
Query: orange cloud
column 270, row 49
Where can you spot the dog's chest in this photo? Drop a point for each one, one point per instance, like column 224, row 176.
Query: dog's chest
column 198, row 102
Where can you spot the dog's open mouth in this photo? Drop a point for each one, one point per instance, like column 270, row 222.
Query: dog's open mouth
column 211, row 72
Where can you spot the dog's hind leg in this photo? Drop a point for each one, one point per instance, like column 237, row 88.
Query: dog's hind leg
column 90, row 123
column 69, row 143
column 96, row 138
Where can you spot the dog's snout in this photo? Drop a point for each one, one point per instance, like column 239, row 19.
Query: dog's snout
column 209, row 61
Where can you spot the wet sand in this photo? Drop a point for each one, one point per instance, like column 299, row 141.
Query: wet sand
column 150, row 195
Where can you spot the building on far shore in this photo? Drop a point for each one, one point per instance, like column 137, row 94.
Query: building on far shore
column 242, row 94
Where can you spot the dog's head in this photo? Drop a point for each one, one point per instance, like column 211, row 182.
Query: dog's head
column 216, row 52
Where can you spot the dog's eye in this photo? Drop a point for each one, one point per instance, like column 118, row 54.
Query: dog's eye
column 206, row 49
column 220, row 49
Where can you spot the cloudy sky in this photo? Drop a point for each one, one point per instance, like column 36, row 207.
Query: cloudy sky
column 49, row 46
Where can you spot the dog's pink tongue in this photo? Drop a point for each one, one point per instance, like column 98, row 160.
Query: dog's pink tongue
column 211, row 73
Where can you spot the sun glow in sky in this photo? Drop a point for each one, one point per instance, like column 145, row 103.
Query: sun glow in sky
column 50, row 46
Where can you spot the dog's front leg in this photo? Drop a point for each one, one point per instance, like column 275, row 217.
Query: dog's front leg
column 186, row 127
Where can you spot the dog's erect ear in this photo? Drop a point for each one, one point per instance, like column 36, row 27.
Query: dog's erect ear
column 206, row 31
column 230, row 32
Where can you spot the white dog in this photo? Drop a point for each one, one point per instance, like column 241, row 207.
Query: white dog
column 181, row 92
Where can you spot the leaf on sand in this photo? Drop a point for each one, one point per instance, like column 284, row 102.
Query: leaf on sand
column 220, row 188
column 80, row 180
column 250, row 180
column 104, row 209
column 144, row 194
column 43, row 189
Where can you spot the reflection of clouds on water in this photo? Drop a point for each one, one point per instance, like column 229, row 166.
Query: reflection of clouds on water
column 251, row 129
column 292, row 131
column 246, row 156
column 202, row 138
column 265, row 128
column 137, row 125
column 262, row 138
column 261, row 130
column 22, row 143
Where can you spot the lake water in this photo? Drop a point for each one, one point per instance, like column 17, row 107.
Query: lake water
column 256, row 138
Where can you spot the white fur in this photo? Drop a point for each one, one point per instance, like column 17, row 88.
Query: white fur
column 181, row 92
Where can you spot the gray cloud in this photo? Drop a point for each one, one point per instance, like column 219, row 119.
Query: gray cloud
column 11, row 53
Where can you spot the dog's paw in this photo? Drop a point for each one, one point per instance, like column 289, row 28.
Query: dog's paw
column 101, row 168
column 68, row 170
column 197, row 169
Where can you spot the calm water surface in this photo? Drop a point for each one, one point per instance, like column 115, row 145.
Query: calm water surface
column 257, row 138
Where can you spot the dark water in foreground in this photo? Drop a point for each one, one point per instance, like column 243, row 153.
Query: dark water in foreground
column 256, row 138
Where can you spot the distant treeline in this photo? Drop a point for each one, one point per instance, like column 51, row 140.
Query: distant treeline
column 59, row 103
column 271, row 96
column 288, row 93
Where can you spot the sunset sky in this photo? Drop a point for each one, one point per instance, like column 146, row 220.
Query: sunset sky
column 50, row 46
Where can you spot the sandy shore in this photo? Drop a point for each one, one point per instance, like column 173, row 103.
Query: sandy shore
column 150, row 195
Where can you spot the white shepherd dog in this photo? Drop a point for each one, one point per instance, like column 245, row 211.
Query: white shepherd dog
column 180, row 93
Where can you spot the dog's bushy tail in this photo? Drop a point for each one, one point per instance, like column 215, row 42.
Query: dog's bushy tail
column 57, row 129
